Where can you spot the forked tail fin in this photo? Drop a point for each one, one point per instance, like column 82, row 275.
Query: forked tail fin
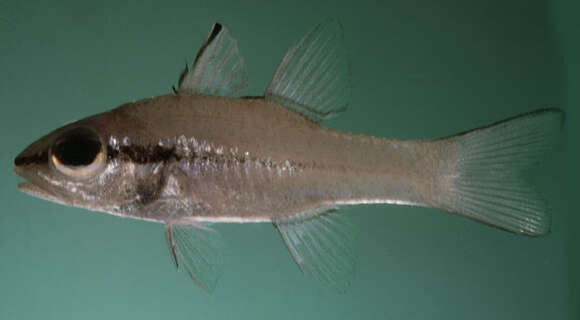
column 487, row 182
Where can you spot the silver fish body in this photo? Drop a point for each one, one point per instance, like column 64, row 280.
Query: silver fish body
column 205, row 158
column 203, row 155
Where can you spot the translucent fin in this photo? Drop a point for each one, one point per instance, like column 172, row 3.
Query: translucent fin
column 218, row 68
column 313, row 77
column 488, row 185
column 324, row 245
column 198, row 249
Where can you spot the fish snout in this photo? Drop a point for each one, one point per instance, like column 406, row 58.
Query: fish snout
column 36, row 153
column 25, row 158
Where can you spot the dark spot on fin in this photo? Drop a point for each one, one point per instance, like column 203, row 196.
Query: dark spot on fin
column 217, row 27
column 218, row 68
column 181, row 76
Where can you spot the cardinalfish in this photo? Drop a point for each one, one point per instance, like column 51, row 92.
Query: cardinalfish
column 203, row 155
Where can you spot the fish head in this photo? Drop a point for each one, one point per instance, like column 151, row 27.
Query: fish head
column 72, row 166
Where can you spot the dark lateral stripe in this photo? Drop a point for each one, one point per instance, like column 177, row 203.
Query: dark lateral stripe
column 144, row 154
column 156, row 154
column 34, row 159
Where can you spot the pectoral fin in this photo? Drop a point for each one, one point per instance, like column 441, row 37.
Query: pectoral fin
column 323, row 244
column 197, row 248
column 218, row 68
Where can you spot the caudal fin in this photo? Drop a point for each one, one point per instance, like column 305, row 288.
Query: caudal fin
column 487, row 182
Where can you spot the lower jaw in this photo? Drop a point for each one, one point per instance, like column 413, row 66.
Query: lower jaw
column 35, row 191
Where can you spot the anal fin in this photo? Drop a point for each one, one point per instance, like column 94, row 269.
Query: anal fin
column 323, row 244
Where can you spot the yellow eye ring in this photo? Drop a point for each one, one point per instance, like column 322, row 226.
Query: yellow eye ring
column 79, row 153
column 79, row 171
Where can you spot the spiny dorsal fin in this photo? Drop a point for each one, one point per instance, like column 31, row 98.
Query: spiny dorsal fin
column 197, row 248
column 218, row 68
column 323, row 244
column 313, row 77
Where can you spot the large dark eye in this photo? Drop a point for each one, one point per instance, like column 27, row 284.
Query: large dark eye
column 78, row 152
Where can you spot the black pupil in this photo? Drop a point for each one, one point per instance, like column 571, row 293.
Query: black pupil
column 77, row 148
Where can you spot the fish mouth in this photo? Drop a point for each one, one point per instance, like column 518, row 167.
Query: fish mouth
column 32, row 189
column 23, row 173
column 35, row 191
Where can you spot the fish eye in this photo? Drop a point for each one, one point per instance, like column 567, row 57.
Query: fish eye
column 78, row 153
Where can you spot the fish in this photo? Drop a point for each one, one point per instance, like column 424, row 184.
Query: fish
column 203, row 155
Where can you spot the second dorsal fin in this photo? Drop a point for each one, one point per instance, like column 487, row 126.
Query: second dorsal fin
column 312, row 79
column 218, row 68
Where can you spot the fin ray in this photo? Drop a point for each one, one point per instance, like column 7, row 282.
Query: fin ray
column 218, row 68
column 312, row 78
column 198, row 249
column 323, row 244
column 488, row 184
column 171, row 244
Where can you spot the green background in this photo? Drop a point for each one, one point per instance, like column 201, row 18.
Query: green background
column 420, row 69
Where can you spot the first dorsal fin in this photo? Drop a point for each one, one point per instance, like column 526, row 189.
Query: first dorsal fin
column 218, row 68
column 312, row 79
